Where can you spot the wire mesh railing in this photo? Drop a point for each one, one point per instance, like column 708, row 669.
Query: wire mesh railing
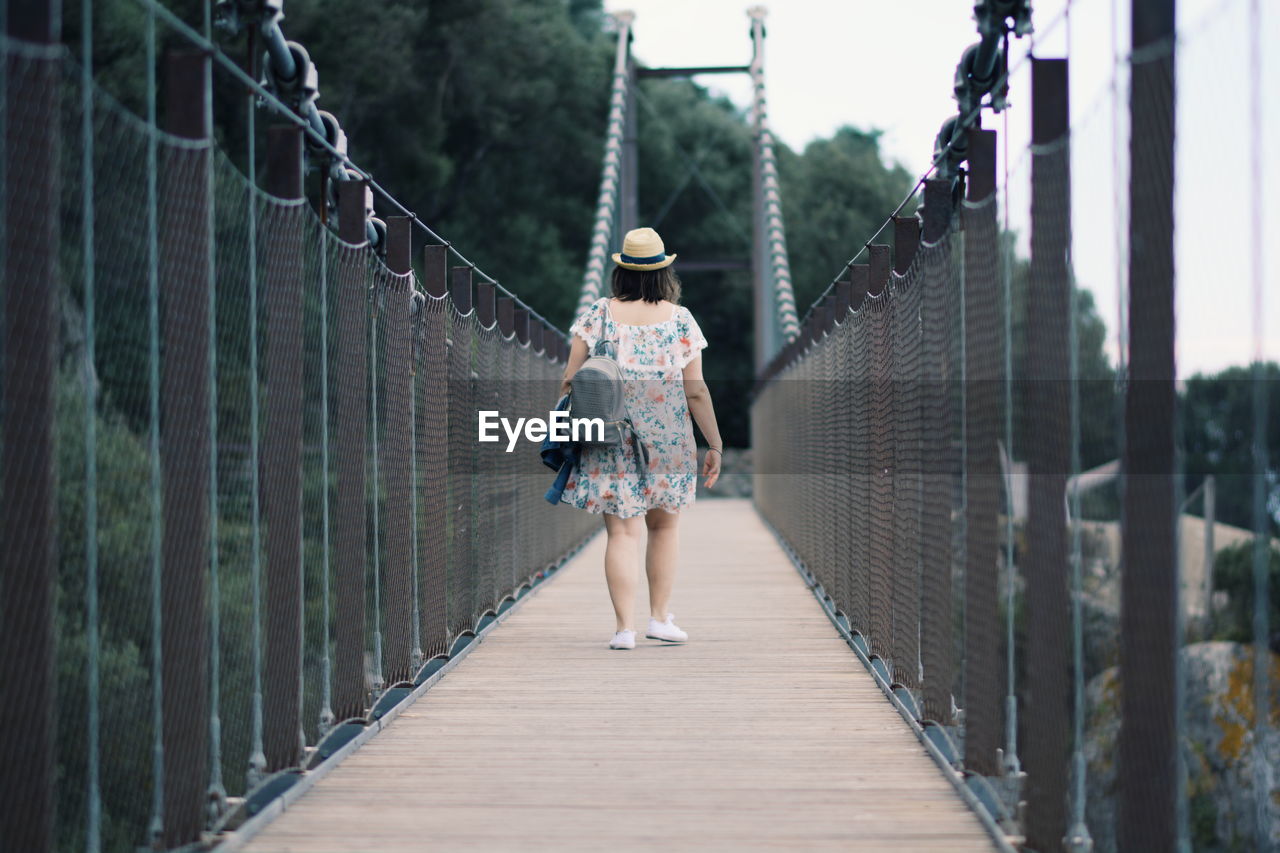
column 1016, row 513
column 245, row 512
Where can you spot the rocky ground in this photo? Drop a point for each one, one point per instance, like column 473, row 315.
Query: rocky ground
column 1217, row 748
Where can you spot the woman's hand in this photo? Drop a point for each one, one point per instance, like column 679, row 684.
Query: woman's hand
column 577, row 355
column 711, row 467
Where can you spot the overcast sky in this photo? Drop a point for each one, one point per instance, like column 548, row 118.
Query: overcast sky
column 889, row 65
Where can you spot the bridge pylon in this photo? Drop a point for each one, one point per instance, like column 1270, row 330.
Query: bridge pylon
column 617, row 208
column 776, row 320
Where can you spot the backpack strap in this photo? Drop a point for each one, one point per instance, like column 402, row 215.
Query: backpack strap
column 607, row 347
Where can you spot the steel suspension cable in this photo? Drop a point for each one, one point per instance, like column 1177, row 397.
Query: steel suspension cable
column 1012, row 766
column 774, row 231
column 607, row 199
column 1079, row 828
column 9, row 45
column 93, row 640
column 156, row 828
column 378, row 681
column 1261, row 463
column 1078, row 832
column 258, row 759
column 678, row 190
column 415, row 654
column 326, row 659
column 217, row 789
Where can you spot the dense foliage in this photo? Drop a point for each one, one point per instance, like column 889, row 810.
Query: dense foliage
column 1233, row 574
column 1217, row 434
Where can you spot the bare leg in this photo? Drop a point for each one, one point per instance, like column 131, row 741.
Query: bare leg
column 621, row 565
column 660, row 559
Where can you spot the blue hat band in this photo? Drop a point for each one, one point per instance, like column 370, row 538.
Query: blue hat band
column 652, row 259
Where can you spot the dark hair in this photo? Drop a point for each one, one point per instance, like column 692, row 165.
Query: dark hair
column 648, row 285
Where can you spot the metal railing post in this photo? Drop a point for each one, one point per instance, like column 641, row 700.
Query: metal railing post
column 535, row 335
column 521, row 324
column 487, row 466
column 350, row 693
column 462, row 425
column 983, row 483
column 283, row 741
column 937, row 326
column 1047, row 394
column 486, row 303
column 905, row 332
column 906, row 242
column 184, row 258
column 880, row 447
column 506, row 311
column 460, row 288
column 843, row 473
column 27, row 559
column 859, row 281
column 1148, row 769
column 396, row 448
column 860, row 605
column 505, row 314
column 434, row 452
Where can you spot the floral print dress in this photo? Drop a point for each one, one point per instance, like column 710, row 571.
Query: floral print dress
column 652, row 358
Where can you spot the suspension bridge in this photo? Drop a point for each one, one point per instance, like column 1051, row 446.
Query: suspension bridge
column 261, row 589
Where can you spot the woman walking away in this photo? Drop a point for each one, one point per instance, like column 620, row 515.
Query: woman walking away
column 658, row 346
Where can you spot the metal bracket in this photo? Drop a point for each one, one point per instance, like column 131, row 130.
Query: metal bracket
column 461, row 642
column 391, row 697
column 337, row 737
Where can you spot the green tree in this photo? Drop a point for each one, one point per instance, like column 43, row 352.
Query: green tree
column 1217, row 429
column 123, row 566
column 1095, row 377
column 485, row 117
column 1233, row 574
column 834, row 196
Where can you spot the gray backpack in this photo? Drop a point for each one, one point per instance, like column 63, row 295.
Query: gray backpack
column 598, row 392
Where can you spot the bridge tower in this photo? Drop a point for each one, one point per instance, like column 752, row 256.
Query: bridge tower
column 617, row 207
column 776, row 321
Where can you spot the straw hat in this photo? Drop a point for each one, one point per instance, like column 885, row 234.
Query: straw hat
column 642, row 249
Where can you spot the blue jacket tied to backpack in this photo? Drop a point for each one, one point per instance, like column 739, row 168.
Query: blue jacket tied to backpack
column 560, row 456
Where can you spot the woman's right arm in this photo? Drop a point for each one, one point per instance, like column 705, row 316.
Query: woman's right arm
column 704, row 415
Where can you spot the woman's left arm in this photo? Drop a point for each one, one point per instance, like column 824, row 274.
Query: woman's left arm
column 577, row 355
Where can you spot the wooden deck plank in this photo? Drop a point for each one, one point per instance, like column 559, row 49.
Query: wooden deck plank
column 763, row 732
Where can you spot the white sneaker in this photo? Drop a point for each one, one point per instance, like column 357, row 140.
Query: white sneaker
column 623, row 640
column 666, row 630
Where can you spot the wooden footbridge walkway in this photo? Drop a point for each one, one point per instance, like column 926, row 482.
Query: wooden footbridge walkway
column 764, row 731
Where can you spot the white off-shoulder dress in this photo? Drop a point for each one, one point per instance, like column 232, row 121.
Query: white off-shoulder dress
column 652, row 358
